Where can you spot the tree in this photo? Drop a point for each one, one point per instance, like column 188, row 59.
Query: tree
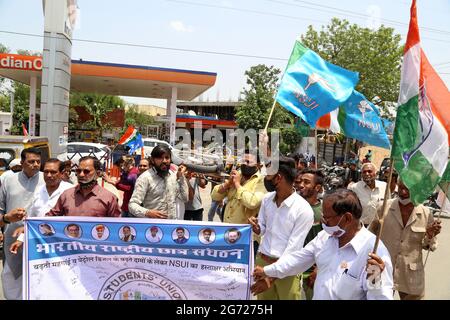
column 375, row 54
column 97, row 105
column 253, row 111
column 137, row 118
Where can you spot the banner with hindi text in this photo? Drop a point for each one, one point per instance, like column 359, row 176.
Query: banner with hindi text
column 136, row 259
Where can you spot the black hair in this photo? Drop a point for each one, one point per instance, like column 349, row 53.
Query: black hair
column 97, row 164
column 160, row 150
column 23, row 154
column 180, row 228
column 318, row 175
column 208, row 230
column 286, row 168
column 61, row 164
column 345, row 200
column 73, row 224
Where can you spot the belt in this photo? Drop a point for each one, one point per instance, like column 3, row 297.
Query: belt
column 267, row 258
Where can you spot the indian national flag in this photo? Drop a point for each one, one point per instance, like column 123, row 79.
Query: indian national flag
column 129, row 135
column 420, row 149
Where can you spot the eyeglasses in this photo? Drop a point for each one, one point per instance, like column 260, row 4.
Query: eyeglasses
column 85, row 171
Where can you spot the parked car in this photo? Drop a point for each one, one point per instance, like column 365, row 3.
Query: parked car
column 76, row 150
column 150, row 143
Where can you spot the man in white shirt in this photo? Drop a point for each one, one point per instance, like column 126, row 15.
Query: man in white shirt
column 46, row 196
column 369, row 191
column 347, row 270
column 284, row 220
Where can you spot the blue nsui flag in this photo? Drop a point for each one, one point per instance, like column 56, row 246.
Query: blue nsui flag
column 312, row 87
column 360, row 119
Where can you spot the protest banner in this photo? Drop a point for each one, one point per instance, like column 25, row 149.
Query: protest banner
column 136, row 259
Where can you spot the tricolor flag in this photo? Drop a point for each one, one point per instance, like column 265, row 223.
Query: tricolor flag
column 24, row 130
column 311, row 86
column 357, row 118
column 420, row 148
column 132, row 139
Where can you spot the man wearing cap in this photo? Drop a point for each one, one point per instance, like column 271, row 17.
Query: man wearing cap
column 154, row 237
column 100, row 229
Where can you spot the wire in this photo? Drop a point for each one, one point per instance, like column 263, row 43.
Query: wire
column 245, row 10
column 401, row 24
column 152, row 47
column 334, row 10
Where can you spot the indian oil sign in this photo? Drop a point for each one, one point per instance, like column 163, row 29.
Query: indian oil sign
column 15, row 61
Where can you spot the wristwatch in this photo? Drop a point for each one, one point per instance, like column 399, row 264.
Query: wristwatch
column 4, row 220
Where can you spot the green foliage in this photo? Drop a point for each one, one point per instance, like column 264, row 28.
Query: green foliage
column 375, row 54
column 255, row 108
column 97, row 105
column 137, row 118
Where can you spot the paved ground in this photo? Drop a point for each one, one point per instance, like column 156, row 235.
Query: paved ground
column 437, row 270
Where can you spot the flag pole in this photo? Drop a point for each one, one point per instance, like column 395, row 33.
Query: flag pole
column 387, row 195
column 316, row 141
column 270, row 115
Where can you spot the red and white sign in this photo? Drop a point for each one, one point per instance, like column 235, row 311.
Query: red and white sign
column 16, row 61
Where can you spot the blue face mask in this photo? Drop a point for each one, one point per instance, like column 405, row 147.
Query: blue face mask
column 334, row 231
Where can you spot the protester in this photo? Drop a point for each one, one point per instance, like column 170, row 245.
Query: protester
column 370, row 192
column 310, row 183
column 284, row 220
column 126, row 183
column 244, row 190
column 157, row 189
column 16, row 194
column 87, row 198
column 194, row 207
column 406, row 231
column 144, row 165
column 46, row 196
column 14, row 166
column 347, row 270
column 352, row 174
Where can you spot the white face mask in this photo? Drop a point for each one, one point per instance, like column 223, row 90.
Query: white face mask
column 334, row 231
column 404, row 201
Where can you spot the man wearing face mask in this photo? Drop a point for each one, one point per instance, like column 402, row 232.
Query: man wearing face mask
column 284, row 220
column 308, row 184
column 370, row 192
column 406, row 231
column 87, row 198
column 157, row 189
column 347, row 270
column 244, row 191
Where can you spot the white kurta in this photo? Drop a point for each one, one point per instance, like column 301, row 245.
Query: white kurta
column 341, row 271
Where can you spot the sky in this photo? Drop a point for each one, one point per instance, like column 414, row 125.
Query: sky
column 241, row 33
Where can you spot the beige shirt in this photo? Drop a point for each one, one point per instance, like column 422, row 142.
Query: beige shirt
column 405, row 244
column 151, row 192
column 369, row 198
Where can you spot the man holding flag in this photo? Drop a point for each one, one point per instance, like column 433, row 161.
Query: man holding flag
column 420, row 155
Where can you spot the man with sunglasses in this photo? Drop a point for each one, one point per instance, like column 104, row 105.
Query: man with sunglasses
column 87, row 198
column 347, row 268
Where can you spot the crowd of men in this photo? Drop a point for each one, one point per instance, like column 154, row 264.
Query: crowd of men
column 302, row 239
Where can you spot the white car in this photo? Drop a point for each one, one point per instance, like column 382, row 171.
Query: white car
column 76, row 150
column 150, row 143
